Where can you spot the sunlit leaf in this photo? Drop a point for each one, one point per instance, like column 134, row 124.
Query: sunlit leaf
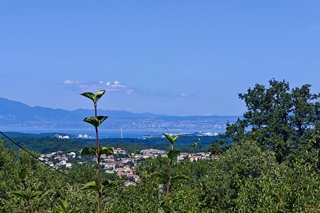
column 171, row 138
column 63, row 205
column 26, row 195
column 106, row 151
column 89, row 95
column 95, row 121
column 94, row 97
column 99, row 94
column 92, row 186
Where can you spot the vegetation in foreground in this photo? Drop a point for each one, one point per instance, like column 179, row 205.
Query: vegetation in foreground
column 272, row 166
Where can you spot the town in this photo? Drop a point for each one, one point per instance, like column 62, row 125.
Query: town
column 121, row 163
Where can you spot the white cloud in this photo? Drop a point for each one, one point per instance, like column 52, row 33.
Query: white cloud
column 72, row 82
column 116, row 84
column 67, row 82
column 81, row 85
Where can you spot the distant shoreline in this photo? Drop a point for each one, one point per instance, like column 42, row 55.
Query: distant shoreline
column 106, row 133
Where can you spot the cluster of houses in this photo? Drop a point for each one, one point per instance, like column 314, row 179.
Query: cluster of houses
column 57, row 159
column 121, row 163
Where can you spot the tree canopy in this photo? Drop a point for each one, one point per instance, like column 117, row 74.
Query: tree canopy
column 283, row 119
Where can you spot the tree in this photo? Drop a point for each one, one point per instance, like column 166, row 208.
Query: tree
column 277, row 117
column 281, row 188
column 244, row 160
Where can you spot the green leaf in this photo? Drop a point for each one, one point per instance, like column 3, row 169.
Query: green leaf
column 89, row 95
column 167, row 208
column 95, row 121
column 26, row 195
column 106, row 151
column 21, row 194
column 171, row 138
column 63, row 208
column 94, row 97
column 173, row 153
column 22, row 174
column 92, row 186
column 99, row 94
column 63, row 205
column 161, row 175
column 93, row 151
column 35, row 194
column 88, row 151
column 179, row 177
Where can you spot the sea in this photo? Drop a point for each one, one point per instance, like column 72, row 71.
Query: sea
column 103, row 133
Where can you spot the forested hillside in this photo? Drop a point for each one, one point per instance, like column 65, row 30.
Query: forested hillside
column 52, row 144
column 272, row 166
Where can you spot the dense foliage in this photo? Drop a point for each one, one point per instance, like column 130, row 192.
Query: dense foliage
column 272, row 166
column 52, row 144
column 247, row 178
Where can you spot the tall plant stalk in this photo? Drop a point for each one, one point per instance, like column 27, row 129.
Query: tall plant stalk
column 98, row 159
column 98, row 151
column 171, row 139
column 168, row 183
column 167, row 178
column 26, row 195
column 99, row 173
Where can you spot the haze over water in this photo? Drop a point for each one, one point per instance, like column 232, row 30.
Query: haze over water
column 103, row 133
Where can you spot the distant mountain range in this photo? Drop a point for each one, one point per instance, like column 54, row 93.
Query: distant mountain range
column 17, row 115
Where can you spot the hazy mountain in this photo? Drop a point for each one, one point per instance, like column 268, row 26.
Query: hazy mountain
column 14, row 114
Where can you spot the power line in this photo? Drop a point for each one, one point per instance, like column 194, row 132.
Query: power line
column 35, row 157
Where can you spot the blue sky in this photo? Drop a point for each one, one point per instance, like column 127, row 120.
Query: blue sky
column 166, row 57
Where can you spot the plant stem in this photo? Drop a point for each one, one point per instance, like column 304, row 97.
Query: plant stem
column 99, row 183
column 169, row 182
column 98, row 158
column 30, row 204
